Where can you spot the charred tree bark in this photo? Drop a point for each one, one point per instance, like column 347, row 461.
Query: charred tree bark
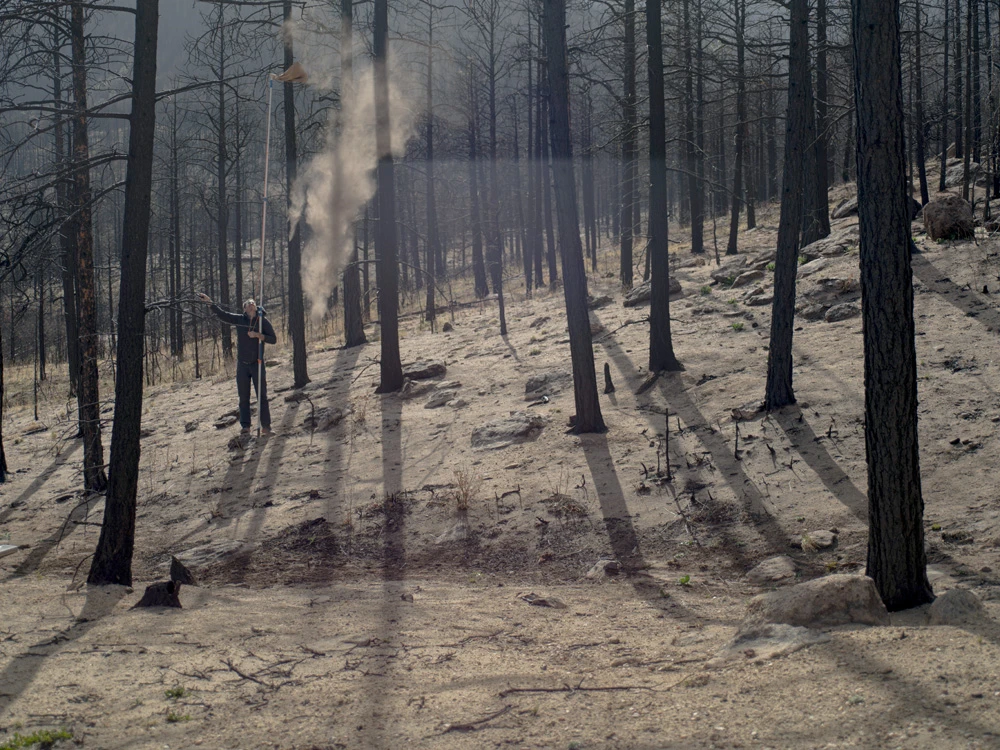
column 661, row 347
column 112, row 561
column 896, row 558
column 66, row 241
column 475, row 215
column 778, row 391
column 822, row 138
column 3, row 456
column 920, row 123
column 222, row 217
column 942, row 186
column 94, row 477
column 433, row 237
column 629, row 147
column 354, row 328
column 391, row 368
column 696, row 198
column 740, row 14
column 588, row 407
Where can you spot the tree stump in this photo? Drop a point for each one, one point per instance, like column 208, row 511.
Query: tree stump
column 161, row 594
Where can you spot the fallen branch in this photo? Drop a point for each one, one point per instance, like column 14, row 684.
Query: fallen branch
column 471, row 726
column 578, row 689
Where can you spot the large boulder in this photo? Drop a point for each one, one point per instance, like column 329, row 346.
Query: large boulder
column 954, row 176
column 823, row 602
column 949, row 217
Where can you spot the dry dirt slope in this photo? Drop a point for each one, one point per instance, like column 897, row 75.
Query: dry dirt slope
column 329, row 617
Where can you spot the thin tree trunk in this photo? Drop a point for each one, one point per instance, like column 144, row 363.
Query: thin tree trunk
column 778, row 391
column 94, row 477
column 896, row 558
column 629, row 148
column 3, row 456
column 959, row 99
column 739, row 11
column 920, row 124
column 966, row 165
column 71, row 312
column 588, row 406
column 942, row 184
column 822, row 138
column 222, row 218
column 391, row 368
column 433, row 237
column 112, row 563
column 354, row 329
column 661, row 347
column 475, row 217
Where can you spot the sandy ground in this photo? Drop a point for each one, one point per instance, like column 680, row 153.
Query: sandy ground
column 329, row 616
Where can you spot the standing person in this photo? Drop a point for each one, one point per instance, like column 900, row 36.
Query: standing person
column 253, row 330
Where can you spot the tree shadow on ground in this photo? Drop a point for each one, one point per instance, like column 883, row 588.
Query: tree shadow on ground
column 38, row 482
column 22, row 669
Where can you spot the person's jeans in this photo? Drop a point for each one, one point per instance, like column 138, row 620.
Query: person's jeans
column 246, row 373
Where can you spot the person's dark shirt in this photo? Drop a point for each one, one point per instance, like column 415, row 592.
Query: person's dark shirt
column 246, row 347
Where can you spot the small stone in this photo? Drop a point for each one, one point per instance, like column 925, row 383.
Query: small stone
column 817, row 540
column 543, row 601
column 604, row 569
column 191, row 426
column 955, row 607
column 439, row 399
column 747, row 278
column 447, row 328
column 424, row 370
column 772, row 570
column 842, row 312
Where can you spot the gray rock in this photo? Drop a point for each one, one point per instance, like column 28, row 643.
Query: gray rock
column 842, row 312
column 546, row 384
column 191, row 426
column 832, row 246
column 849, row 207
column 424, row 370
column 731, row 267
column 596, row 303
column 823, row 602
column 955, row 176
column 812, row 311
column 817, row 540
column 439, row 399
column 760, row 642
column 846, row 208
column 641, row 293
column 772, row 570
column 955, row 607
column 758, row 298
column 225, row 422
column 412, row 389
column 604, row 569
column 748, row 277
column 949, row 217
column 519, row 427
column 808, row 269
column 197, row 559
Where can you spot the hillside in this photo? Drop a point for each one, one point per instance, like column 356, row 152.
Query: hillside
column 365, row 572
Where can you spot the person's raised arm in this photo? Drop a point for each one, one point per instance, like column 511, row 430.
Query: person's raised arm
column 232, row 319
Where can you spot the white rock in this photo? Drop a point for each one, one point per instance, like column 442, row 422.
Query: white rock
column 823, row 602
column 955, row 607
column 772, row 570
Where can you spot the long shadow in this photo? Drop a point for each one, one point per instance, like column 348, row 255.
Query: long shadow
column 21, row 670
column 965, row 300
column 41, row 550
column 381, row 716
column 742, row 486
column 809, row 446
column 39, row 481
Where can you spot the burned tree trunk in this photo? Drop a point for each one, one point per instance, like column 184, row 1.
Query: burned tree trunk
column 588, row 406
column 112, row 561
column 354, row 329
column 661, row 347
column 391, row 369
column 896, row 558
column 94, row 477
column 778, row 391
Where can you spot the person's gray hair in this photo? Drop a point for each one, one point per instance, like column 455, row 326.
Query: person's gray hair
column 249, row 301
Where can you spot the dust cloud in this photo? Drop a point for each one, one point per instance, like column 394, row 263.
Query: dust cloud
column 336, row 183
